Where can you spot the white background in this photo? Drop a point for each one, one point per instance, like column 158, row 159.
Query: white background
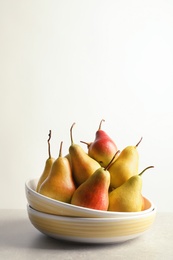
column 80, row 61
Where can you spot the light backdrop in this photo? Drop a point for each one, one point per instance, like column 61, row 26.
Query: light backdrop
column 81, row 61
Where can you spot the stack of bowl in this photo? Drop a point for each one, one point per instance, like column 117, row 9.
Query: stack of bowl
column 68, row 222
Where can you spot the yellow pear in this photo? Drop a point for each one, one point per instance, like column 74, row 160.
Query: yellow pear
column 128, row 197
column 82, row 164
column 59, row 185
column 48, row 165
column 125, row 166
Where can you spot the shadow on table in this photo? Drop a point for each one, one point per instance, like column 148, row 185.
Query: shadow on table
column 21, row 234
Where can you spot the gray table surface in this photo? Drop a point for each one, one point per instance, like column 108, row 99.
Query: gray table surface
column 20, row 240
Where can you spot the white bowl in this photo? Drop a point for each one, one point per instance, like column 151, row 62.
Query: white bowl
column 91, row 230
column 48, row 205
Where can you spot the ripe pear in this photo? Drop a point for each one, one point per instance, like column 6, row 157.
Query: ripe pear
column 128, row 197
column 94, row 192
column 82, row 165
column 125, row 166
column 59, row 185
column 102, row 148
column 146, row 204
column 48, row 165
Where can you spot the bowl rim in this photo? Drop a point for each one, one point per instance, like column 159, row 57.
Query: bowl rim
column 83, row 209
column 87, row 219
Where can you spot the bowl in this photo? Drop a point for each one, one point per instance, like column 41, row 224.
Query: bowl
column 51, row 206
column 91, row 230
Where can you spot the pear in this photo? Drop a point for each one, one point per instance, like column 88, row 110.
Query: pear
column 102, row 148
column 128, row 197
column 94, row 192
column 82, row 165
column 48, row 165
column 125, row 166
column 59, row 185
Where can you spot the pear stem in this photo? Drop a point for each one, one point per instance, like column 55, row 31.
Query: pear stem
column 111, row 161
column 71, row 136
column 84, row 142
column 101, row 124
column 88, row 144
column 138, row 142
column 145, row 170
column 49, row 152
column 60, row 149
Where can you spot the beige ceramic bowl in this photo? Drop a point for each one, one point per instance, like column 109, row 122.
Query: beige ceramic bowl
column 48, row 205
column 91, row 230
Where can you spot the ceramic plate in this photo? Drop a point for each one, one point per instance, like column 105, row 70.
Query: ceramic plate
column 91, row 230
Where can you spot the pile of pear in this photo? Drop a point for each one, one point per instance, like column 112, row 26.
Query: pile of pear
column 103, row 178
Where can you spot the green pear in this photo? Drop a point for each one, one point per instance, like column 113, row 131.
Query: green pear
column 48, row 165
column 125, row 166
column 59, row 185
column 82, row 164
column 102, row 148
column 128, row 197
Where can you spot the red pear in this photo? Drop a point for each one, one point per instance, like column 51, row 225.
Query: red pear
column 103, row 148
column 94, row 192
